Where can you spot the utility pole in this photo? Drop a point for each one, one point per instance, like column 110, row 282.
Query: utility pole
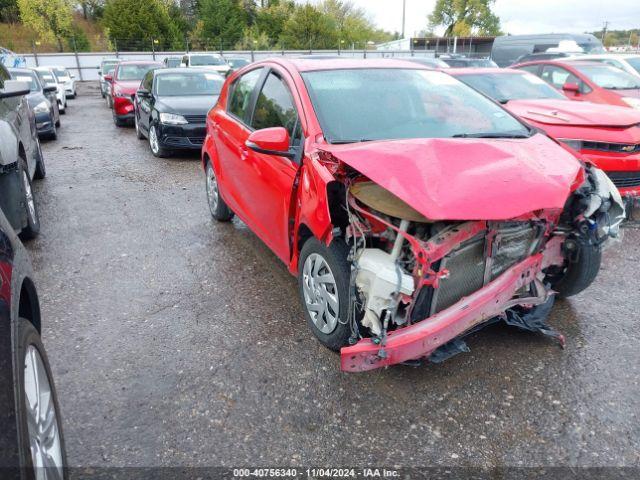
column 404, row 12
column 604, row 32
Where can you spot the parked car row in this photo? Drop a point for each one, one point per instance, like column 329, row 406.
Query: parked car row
column 32, row 442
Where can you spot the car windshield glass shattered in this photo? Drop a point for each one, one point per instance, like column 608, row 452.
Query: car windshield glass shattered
column 383, row 104
column 609, row 77
column 201, row 60
column 183, row 84
column 133, row 72
column 503, row 87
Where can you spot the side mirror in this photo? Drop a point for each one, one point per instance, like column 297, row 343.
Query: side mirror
column 271, row 141
column 571, row 87
column 99, row 71
column 49, row 89
column 14, row 88
column 72, row 76
column 108, row 78
column 143, row 93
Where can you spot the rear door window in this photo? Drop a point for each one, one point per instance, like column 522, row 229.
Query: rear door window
column 241, row 93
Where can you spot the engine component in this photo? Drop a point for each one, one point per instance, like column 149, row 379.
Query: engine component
column 381, row 281
column 605, row 207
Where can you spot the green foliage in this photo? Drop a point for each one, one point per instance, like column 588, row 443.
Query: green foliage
column 310, row 28
column 134, row 24
column 253, row 39
column 616, row 38
column 465, row 17
column 51, row 19
column 77, row 40
column 270, row 20
column 223, row 23
column 9, row 12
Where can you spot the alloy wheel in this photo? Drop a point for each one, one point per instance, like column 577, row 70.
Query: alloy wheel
column 28, row 195
column 153, row 140
column 320, row 293
column 42, row 419
column 213, row 194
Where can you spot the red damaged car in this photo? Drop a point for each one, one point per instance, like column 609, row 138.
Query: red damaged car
column 125, row 81
column 411, row 208
column 606, row 135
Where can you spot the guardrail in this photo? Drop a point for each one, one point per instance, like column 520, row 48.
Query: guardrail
column 85, row 65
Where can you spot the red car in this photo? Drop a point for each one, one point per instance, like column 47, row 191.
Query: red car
column 125, row 81
column 588, row 81
column 410, row 207
column 606, row 135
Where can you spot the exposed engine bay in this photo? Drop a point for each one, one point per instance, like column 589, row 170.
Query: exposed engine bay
column 408, row 271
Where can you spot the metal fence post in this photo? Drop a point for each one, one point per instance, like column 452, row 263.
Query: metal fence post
column 35, row 52
column 75, row 53
column 153, row 50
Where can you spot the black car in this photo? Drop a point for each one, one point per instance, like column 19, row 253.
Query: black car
column 31, row 439
column 42, row 101
column 21, row 158
column 171, row 107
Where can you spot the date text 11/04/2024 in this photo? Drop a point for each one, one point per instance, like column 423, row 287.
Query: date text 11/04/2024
column 315, row 473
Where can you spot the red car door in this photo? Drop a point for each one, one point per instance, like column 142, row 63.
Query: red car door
column 230, row 132
column 268, row 179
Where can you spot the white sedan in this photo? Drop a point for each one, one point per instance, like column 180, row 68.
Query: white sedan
column 629, row 62
column 49, row 78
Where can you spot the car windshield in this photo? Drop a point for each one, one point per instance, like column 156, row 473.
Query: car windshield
column 133, row 72
column 185, row 84
column 634, row 62
column 609, row 77
column 592, row 47
column 355, row 105
column 30, row 78
column 108, row 68
column 237, row 62
column 172, row 62
column 201, row 60
column 503, row 87
column 47, row 78
column 61, row 72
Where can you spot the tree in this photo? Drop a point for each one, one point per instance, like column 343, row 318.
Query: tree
column 310, row 28
column 51, row 19
column 91, row 9
column 465, row 17
column 77, row 40
column 9, row 12
column 223, row 22
column 270, row 20
column 134, row 24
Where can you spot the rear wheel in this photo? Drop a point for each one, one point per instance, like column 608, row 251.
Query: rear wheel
column 323, row 283
column 41, row 170
column 39, row 418
column 219, row 210
column 583, row 265
column 33, row 221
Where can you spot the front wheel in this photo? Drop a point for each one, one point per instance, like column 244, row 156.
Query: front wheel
column 218, row 208
column 40, row 428
column 583, row 265
column 154, row 143
column 33, row 221
column 323, row 284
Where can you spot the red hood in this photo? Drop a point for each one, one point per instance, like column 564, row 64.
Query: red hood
column 573, row 114
column 467, row 179
column 127, row 86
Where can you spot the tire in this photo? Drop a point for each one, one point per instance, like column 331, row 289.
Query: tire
column 330, row 263
column 118, row 123
column 54, row 133
column 102, row 93
column 218, row 208
column 109, row 101
column 32, row 228
column 62, row 109
column 57, row 124
column 139, row 134
column 154, row 144
column 41, row 168
column 50, row 444
column 580, row 271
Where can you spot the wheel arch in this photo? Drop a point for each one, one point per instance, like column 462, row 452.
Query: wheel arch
column 29, row 304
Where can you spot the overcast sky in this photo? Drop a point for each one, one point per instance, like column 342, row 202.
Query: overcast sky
column 519, row 16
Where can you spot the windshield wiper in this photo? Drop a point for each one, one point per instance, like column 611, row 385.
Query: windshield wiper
column 491, row 135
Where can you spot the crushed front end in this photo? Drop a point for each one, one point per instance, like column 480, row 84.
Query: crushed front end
column 417, row 283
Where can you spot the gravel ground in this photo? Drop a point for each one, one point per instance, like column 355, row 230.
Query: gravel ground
column 176, row 341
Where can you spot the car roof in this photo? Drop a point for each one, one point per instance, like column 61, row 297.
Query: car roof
column 561, row 62
column 20, row 70
column 492, row 71
column 140, row 62
column 309, row 65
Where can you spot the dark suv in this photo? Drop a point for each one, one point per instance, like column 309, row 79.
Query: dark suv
column 21, row 158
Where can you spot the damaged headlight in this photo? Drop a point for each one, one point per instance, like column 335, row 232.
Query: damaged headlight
column 602, row 203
